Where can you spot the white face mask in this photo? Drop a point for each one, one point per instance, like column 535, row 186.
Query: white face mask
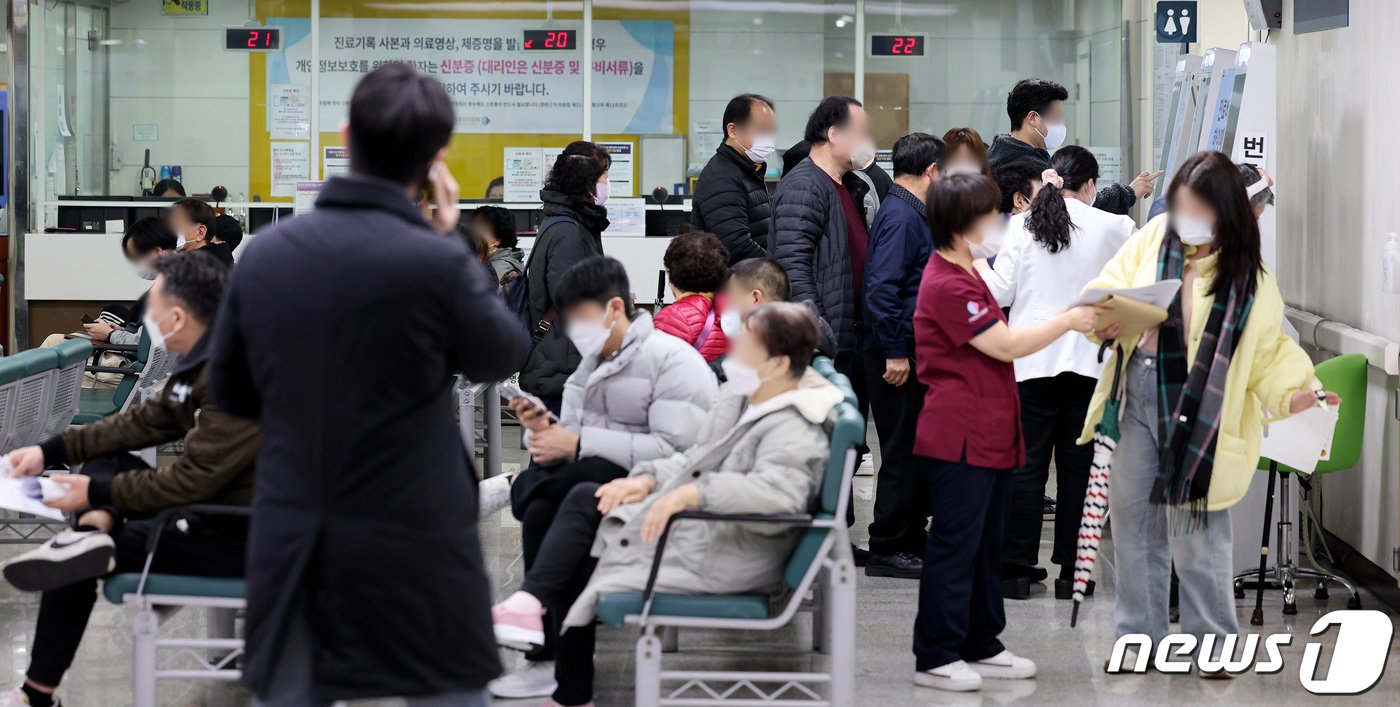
column 962, row 168
column 589, row 337
column 1193, row 231
column 602, row 192
column 763, row 147
column 731, row 323
column 742, row 379
column 863, row 156
column 158, row 337
column 144, row 272
column 180, row 241
column 991, row 241
column 1054, row 136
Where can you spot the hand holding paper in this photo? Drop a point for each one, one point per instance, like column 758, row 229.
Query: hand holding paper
column 1131, row 311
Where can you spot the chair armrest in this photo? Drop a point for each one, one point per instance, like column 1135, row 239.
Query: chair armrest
column 101, row 346
column 119, row 370
column 649, row 593
column 163, row 519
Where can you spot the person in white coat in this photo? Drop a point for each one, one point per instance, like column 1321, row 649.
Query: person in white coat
column 1050, row 253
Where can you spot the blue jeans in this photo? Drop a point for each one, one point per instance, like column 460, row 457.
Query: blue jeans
column 294, row 686
column 1143, row 549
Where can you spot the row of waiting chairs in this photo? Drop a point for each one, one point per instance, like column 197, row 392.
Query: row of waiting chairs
column 819, row 578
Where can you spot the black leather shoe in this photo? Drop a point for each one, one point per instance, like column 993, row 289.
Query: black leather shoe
column 903, row 565
column 1064, row 589
column 1016, row 588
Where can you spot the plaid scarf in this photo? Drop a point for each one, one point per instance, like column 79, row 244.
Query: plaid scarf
column 1190, row 403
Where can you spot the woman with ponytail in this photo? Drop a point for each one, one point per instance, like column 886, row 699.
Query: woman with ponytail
column 1050, row 253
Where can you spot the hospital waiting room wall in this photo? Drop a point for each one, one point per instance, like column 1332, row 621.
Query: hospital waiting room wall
column 175, row 91
column 1336, row 204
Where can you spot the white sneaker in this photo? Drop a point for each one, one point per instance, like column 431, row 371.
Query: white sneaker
column 493, row 494
column 533, row 679
column 954, row 677
column 67, row 557
column 17, row 698
column 1004, row 666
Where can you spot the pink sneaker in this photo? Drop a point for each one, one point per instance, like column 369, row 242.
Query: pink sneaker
column 517, row 630
column 551, row 703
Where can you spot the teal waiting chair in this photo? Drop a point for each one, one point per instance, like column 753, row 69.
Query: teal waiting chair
column 157, row 596
column 820, row 564
column 12, row 371
column 34, row 400
column 67, row 382
column 1345, row 376
column 97, row 403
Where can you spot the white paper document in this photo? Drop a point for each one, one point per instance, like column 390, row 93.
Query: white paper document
column 1158, row 294
column 1302, row 440
column 14, row 497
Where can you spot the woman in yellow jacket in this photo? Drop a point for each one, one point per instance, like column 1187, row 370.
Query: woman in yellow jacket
column 1195, row 392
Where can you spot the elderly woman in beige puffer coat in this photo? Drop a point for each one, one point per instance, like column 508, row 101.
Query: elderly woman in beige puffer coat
column 762, row 449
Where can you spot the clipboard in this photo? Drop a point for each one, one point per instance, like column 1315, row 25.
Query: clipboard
column 1137, row 308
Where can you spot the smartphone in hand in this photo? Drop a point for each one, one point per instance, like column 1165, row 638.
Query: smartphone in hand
column 510, row 392
column 87, row 319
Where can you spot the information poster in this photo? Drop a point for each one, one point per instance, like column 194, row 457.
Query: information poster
column 523, row 173
column 708, row 136
column 496, row 84
column 626, row 217
column 622, row 174
column 290, row 164
column 1110, row 164
column 335, row 162
column 289, row 111
column 305, row 200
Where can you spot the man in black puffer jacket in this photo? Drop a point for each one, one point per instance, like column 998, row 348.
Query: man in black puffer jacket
column 731, row 197
column 1036, row 110
column 570, row 194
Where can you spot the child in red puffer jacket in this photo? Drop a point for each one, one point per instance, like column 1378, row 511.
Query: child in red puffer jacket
column 697, row 264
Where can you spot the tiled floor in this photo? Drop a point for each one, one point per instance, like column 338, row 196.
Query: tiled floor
column 1070, row 659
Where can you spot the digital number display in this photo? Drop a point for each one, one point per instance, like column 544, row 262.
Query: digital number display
column 550, row 39
column 253, row 39
column 897, row 44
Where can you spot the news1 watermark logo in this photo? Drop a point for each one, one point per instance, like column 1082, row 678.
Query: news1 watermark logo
column 1358, row 657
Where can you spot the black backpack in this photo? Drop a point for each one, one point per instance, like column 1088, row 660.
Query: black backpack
column 518, row 290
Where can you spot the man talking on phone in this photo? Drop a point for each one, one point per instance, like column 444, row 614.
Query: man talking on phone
column 340, row 332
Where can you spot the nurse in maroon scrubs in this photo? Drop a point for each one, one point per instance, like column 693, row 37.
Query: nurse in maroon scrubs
column 969, row 438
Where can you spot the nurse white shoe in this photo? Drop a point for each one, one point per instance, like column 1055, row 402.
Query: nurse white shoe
column 1004, row 666
column 953, row 677
column 533, row 679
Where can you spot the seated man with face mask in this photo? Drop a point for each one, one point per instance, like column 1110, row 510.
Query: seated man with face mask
column 754, row 282
column 112, row 500
column 761, row 449
column 638, row 394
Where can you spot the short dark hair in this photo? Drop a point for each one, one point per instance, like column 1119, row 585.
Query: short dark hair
column 229, row 230
column 832, row 112
column 956, row 202
column 576, row 171
column 200, row 213
column 1014, row 177
column 914, row 152
column 501, row 221
column 497, row 182
column 399, row 118
column 165, row 185
column 596, row 279
column 764, row 275
column 740, row 108
column 786, row 329
column 1032, row 95
column 696, row 262
column 148, row 235
column 196, row 280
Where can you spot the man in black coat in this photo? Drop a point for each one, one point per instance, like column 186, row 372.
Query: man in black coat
column 340, row 332
column 731, row 196
column 821, row 223
column 1036, row 109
